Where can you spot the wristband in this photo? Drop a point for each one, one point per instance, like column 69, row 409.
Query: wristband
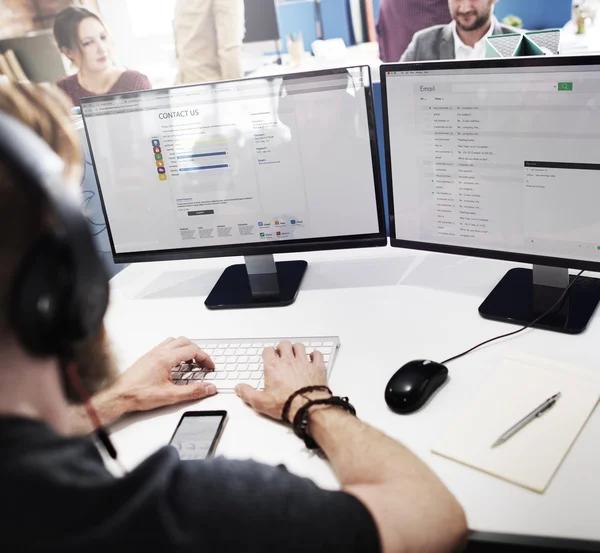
column 302, row 417
column 288, row 404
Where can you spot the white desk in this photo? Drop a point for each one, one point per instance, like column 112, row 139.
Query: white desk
column 362, row 54
column 572, row 44
column 388, row 306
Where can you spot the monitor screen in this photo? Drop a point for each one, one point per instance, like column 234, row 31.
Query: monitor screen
column 255, row 163
column 496, row 157
column 260, row 20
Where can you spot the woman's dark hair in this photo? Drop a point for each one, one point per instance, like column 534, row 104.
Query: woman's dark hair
column 66, row 26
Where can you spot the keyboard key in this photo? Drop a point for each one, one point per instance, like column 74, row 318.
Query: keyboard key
column 256, row 376
column 246, row 345
column 199, row 376
column 210, row 376
column 326, row 358
column 187, row 376
column 242, row 359
column 252, row 367
column 230, row 351
column 232, row 367
column 219, row 351
column 181, row 382
column 219, row 359
column 240, row 351
column 231, row 359
column 261, row 385
column 176, row 375
column 316, row 344
column 253, row 351
column 232, row 376
column 223, row 346
column 220, row 376
column 258, row 345
column 249, row 382
column 254, row 359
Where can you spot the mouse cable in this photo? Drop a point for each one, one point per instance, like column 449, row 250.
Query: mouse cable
column 558, row 302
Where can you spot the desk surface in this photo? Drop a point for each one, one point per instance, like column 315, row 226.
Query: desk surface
column 388, row 306
column 362, row 54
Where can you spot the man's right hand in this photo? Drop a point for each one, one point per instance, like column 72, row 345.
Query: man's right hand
column 287, row 369
column 391, row 482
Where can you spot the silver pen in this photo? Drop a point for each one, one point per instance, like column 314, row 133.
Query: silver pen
column 548, row 404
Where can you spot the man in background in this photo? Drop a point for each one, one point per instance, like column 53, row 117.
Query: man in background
column 463, row 39
column 208, row 40
column 399, row 20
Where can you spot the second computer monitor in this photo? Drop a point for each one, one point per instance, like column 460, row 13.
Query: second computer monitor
column 499, row 159
column 249, row 167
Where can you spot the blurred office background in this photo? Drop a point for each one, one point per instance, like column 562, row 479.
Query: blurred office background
column 281, row 35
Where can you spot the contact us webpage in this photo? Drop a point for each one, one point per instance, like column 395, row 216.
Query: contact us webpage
column 225, row 164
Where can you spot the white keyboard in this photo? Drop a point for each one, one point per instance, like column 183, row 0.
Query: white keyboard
column 239, row 360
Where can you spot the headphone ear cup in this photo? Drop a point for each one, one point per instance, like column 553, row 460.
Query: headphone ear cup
column 40, row 302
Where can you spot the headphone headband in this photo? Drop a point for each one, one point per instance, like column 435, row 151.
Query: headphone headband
column 60, row 293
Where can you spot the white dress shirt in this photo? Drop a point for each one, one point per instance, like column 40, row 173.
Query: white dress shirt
column 464, row 52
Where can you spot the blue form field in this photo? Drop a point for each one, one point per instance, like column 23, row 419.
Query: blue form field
column 192, row 156
column 203, row 168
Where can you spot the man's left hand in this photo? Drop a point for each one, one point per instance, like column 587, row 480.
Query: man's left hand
column 147, row 384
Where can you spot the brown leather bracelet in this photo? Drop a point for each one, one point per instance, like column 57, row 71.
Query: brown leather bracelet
column 301, row 419
column 288, row 404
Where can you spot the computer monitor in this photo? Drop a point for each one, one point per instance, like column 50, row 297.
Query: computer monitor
column 260, row 20
column 249, row 167
column 499, row 159
column 38, row 55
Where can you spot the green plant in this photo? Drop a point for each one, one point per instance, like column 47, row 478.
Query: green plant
column 513, row 21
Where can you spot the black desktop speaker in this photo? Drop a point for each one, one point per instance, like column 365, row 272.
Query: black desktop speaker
column 60, row 291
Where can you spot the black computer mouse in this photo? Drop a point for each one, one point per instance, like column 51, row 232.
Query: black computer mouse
column 413, row 384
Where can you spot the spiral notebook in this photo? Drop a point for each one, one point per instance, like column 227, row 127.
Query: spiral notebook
column 533, row 455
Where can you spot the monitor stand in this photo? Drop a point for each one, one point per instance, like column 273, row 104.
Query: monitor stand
column 259, row 283
column 524, row 294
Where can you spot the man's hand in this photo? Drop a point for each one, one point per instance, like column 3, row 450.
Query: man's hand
column 287, row 369
column 147, row 384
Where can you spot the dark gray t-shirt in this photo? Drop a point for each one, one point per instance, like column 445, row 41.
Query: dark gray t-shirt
column 56, row 495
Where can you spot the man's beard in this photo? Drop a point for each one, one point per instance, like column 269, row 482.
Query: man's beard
column 95, row 366
column 481, row 21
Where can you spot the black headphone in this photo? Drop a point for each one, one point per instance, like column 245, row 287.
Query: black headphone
column 60, row 293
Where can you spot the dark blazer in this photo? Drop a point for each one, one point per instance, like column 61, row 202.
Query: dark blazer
column 437, row 43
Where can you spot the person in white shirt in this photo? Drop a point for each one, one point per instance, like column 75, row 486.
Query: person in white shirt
column 463, row 39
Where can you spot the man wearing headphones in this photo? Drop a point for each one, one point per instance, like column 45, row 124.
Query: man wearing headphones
column 56, row 492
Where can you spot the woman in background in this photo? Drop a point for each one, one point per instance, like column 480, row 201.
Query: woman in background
column 83, row 38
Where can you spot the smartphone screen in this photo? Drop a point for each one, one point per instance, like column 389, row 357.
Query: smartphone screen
column 198, row 433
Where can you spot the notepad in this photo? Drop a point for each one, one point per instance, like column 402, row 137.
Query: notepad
column 532, row 456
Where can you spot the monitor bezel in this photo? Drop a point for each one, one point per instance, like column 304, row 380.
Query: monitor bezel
column 520, row 62
column 258, row 248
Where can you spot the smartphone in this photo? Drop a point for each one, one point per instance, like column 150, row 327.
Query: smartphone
column 197, row 434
